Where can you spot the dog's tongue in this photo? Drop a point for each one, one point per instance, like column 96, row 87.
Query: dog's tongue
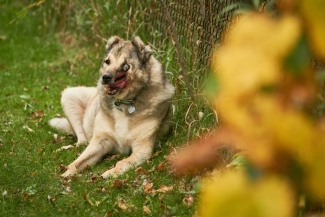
column 118, row 84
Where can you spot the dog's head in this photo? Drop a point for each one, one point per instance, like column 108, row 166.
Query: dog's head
column 123, row 64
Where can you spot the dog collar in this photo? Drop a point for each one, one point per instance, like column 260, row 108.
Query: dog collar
column 118, row 102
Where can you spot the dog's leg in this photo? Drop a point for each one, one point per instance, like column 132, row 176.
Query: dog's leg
column 74, row 102
column 140, row 153
column 94, row 152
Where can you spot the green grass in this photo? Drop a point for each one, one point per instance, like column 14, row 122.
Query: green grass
column 36, row 64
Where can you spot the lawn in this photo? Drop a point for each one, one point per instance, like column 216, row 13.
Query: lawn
column 36, row 64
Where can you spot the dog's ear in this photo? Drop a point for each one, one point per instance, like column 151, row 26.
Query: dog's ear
column 111, row 41
column 144, row 51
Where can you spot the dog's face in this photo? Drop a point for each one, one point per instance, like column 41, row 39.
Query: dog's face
column 121, row 70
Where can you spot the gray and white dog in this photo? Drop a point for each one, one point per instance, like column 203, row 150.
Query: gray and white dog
column 127, row 112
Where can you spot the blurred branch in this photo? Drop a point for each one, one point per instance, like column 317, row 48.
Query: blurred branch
column 204, row 153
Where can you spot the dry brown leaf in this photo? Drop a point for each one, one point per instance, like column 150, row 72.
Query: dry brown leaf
column 55, row 137
column 164, row 189
column 119, row 183
column 37, row 114
column 148, row 188
column 87, row 199
column 152, row 169
column 122, row 204
column 140, row 171
column 47, row 87
column 161, row 166
column 146, row 210
column 188, row 200
column 108, row 213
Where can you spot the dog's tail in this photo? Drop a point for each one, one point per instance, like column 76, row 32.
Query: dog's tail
column 61, row 124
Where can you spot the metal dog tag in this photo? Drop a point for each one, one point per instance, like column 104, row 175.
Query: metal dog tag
column 131, row 109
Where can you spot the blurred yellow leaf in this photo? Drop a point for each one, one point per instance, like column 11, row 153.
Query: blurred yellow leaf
column 316, row 171
column 313, row 12
column 232, row 195
column 253, row 51
column 251, row 59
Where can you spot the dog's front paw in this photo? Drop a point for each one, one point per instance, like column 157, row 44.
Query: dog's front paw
column 81, row 143
column 112, row 173
column 71, row 170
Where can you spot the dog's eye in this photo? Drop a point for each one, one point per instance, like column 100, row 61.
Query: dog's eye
column 125, row 67
column 107, row 61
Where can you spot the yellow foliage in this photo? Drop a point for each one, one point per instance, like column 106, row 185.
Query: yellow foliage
column 250, row 59
column 313, row 12
column 270, row 125
column 266, row 82
column 272, row 132
column 252, row 53
column 232, row 194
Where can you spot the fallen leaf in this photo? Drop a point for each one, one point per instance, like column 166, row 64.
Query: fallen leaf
column 140, row 171
column 24, row 96
column 63, row 167
column 164, row 189
column 146, row 210
column 29, row 129
column 161, row 166
column 156, row 153
column 55, row 137
column 45, row 87
column 119, row 183
column 87, row 199
column 37, row 114
column 51, row 200
column 122, row 204
column 152, row 169
column 148, row 188
column 68, row 189
column 108, row 213
column 64, row 148
column 93, row 179
column 188, row 200
column 5, row 193
column 201, row 115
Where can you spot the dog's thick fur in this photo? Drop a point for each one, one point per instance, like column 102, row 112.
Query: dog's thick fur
column 96, row 116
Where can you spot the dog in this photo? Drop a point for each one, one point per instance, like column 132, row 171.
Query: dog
column 128, row 111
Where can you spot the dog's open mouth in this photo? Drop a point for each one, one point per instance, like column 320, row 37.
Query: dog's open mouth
column 118, row 85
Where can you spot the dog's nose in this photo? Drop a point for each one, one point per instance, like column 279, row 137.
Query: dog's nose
column 107, row 78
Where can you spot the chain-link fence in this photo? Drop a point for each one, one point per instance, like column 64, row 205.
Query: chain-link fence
column 197, row 25
column 193, row 26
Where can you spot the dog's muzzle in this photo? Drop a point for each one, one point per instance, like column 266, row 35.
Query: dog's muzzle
column 114, row 84
column 107, row 79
